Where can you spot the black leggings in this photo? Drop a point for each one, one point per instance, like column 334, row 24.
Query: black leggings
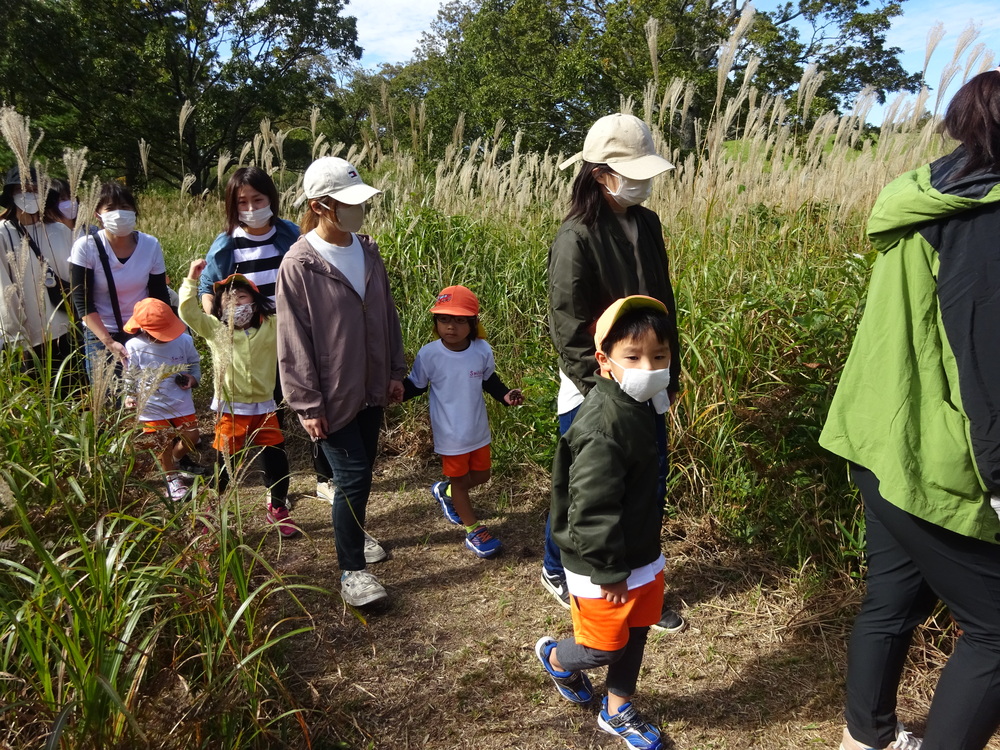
column 623, row 664
column 275, row 463
column 911, row 564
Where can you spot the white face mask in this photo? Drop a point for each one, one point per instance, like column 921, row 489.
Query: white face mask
column 258, row 218
column 349, row 218
column 242, row 315
column 640, row 384
column 69, row 209
column 119, row 223
column 631, row 192
column 26, row 202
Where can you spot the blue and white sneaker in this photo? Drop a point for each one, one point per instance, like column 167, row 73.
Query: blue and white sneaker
column 440, row 492
column 573, row 686
column 482, row 542
column 627, row 724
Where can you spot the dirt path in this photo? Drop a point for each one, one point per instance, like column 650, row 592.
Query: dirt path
column 449, row 662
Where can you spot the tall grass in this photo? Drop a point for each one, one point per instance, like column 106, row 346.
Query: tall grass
column 110, row 602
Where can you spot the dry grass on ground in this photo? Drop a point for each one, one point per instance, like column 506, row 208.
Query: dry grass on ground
column 449, row 662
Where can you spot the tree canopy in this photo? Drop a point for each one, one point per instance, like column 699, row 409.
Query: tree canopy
column 106, row 74
column 550, row 67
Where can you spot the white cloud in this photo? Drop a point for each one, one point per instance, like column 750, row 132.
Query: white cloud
column 389, row 30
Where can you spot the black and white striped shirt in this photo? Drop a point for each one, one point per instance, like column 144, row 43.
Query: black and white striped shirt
column 256, row 257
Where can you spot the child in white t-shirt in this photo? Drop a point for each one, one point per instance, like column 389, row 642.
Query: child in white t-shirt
column 163, row 395
column 457, row 368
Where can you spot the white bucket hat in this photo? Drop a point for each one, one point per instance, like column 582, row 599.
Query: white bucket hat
column 624, row 143
column 337, row 178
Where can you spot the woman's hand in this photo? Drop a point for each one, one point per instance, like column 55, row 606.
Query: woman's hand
column 315, row 428
column 197, row 266
column 616, row 593
column 119, row 351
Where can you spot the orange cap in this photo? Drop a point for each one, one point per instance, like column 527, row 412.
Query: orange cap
column 456, row 300
column 155, row 318
column 618, row 308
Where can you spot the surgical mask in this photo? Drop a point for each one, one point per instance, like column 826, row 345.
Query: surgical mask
column 69, row 209
column 26, row 202
column 242, row 315
column 118, row 223
column 631, row 192
column 641, row 384
column 349, row 218
column 257, row 218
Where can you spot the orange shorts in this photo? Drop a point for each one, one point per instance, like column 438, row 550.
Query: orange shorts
column 233, row 432
column 155, row 425
column 459, row 466
column 599, row 624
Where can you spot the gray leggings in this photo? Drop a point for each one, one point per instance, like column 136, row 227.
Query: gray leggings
column 623, row 665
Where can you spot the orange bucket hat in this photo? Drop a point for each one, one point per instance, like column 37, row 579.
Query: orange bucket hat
column 155, row 318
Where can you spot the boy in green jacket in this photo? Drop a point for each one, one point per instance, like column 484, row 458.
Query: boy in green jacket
column 606, row 517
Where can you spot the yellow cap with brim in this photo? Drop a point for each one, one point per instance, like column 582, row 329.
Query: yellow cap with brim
column 618, row 308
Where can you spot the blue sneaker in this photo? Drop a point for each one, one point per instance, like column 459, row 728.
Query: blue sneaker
column 482, row 542
column 627, row 724
column 440, row 492
column 573, row 686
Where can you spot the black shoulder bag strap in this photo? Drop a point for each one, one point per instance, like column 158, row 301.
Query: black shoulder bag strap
column 53, row 284
column 106, row 264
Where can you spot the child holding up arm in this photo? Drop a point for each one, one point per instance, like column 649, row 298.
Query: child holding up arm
column 165, row 403
column 241, row 332
column 457, row 368
column 606, row 517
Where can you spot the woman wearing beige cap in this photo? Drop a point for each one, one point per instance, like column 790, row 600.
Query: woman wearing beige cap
column 340, row 353
column 608, row 247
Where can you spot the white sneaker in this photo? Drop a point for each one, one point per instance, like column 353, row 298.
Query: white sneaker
column 359, row 587
column 904, row 741
column 374, row 552
column 324, row 491
column 177, row 488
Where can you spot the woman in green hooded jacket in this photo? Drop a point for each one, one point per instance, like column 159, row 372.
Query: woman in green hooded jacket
column 917, row 415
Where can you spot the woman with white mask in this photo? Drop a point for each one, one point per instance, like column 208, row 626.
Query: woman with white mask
column 112, row 269
column 609, row 246
column 34, row 269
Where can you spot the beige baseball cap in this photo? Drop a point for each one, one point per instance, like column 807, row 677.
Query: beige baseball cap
column 624, row 143
column 337, row 178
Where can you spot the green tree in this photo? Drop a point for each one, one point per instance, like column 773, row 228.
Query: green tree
column 550, row 67
column 104, row 75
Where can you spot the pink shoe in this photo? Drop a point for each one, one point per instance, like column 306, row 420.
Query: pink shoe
column 281, row 517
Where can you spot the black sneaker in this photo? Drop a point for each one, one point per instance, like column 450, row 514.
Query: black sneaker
column 555, row 583
column 188, row 466
column 670, row 622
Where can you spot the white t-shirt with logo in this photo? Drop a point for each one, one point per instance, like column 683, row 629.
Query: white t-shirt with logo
column 458, row 411
column 131, row 277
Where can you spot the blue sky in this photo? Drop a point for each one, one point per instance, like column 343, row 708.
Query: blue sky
column 389, row 30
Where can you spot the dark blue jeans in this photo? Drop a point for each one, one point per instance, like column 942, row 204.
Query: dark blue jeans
column 911, row 564
column 351, row 451
column 551, row 560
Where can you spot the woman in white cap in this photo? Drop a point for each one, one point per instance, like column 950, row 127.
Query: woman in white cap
column 609, row 246
column 340, row 353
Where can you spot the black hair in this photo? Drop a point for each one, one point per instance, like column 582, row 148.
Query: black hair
column 114, row 193
column 588, row 194
column 260, row 181
column 49, row 208
column 634, row 323
column 472, row 320
column 973, row 117
column 264, row 306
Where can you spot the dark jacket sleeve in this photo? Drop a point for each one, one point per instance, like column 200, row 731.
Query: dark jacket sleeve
column 412, row 391
column 571, row 300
